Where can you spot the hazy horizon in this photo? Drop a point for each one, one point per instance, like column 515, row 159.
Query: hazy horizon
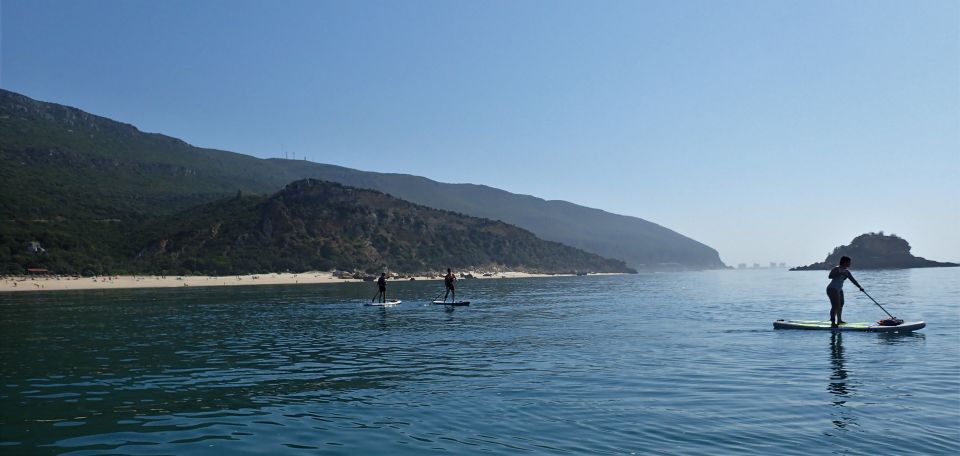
column 770, row 131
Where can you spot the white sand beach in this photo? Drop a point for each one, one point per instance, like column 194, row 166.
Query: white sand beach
column 54, row 283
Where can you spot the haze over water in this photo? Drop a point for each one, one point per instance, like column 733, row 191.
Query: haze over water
column 650, row 363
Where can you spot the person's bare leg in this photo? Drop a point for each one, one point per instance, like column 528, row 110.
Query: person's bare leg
column 834, row 301
column 840, row 311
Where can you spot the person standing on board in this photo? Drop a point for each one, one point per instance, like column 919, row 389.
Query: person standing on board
column 382, row 287
column 449, row 281
column 835, row 290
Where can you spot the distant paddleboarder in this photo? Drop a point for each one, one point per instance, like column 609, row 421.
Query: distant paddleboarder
column 382, row 288
column 835, row 290
column 449, row 281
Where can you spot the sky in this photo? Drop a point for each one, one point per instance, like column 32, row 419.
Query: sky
column 768, row 130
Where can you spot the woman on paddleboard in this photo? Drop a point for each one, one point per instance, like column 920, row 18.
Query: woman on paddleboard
column 382, row 288
column 837, row 275
column 450, row 281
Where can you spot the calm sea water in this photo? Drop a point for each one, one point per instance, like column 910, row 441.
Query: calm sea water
column 646, row 364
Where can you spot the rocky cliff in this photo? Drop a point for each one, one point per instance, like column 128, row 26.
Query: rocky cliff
column 876, row 251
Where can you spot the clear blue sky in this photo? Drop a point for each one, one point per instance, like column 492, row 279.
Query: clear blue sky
column 770, row 130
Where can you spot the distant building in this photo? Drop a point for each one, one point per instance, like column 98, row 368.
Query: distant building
column 742, row 266
column 756, row 265
column 773, row 265
column 783, row 265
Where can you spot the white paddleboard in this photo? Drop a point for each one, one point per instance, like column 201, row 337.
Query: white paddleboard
column 866, row 327
column 384, row 304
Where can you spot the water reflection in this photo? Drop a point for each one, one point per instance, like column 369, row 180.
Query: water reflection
column 895, row 338
column 840, row 386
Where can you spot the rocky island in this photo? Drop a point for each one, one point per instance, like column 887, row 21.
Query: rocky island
column 876, row 251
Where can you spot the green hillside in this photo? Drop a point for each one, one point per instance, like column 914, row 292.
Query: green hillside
column 309, row 225
column 62, row 163
column 317, row 225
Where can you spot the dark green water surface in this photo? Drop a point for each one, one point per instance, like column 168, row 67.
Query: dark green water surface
column 640, row 364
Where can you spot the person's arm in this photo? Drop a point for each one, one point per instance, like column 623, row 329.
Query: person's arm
column 850, row 276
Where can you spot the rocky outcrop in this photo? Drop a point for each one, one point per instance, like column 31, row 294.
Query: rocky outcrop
column 876, row 251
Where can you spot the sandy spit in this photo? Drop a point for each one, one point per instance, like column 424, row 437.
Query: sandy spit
column 24, row 284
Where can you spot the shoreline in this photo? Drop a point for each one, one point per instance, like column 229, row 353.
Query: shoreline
column 54, row 283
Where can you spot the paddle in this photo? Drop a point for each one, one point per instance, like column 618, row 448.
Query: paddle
column 881, row 307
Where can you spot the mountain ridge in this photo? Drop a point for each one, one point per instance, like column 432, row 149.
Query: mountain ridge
column 154, row 174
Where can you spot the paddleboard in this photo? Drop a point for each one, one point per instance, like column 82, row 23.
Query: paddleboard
column 867, row 327
column 383, row 304
column 458, row 303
